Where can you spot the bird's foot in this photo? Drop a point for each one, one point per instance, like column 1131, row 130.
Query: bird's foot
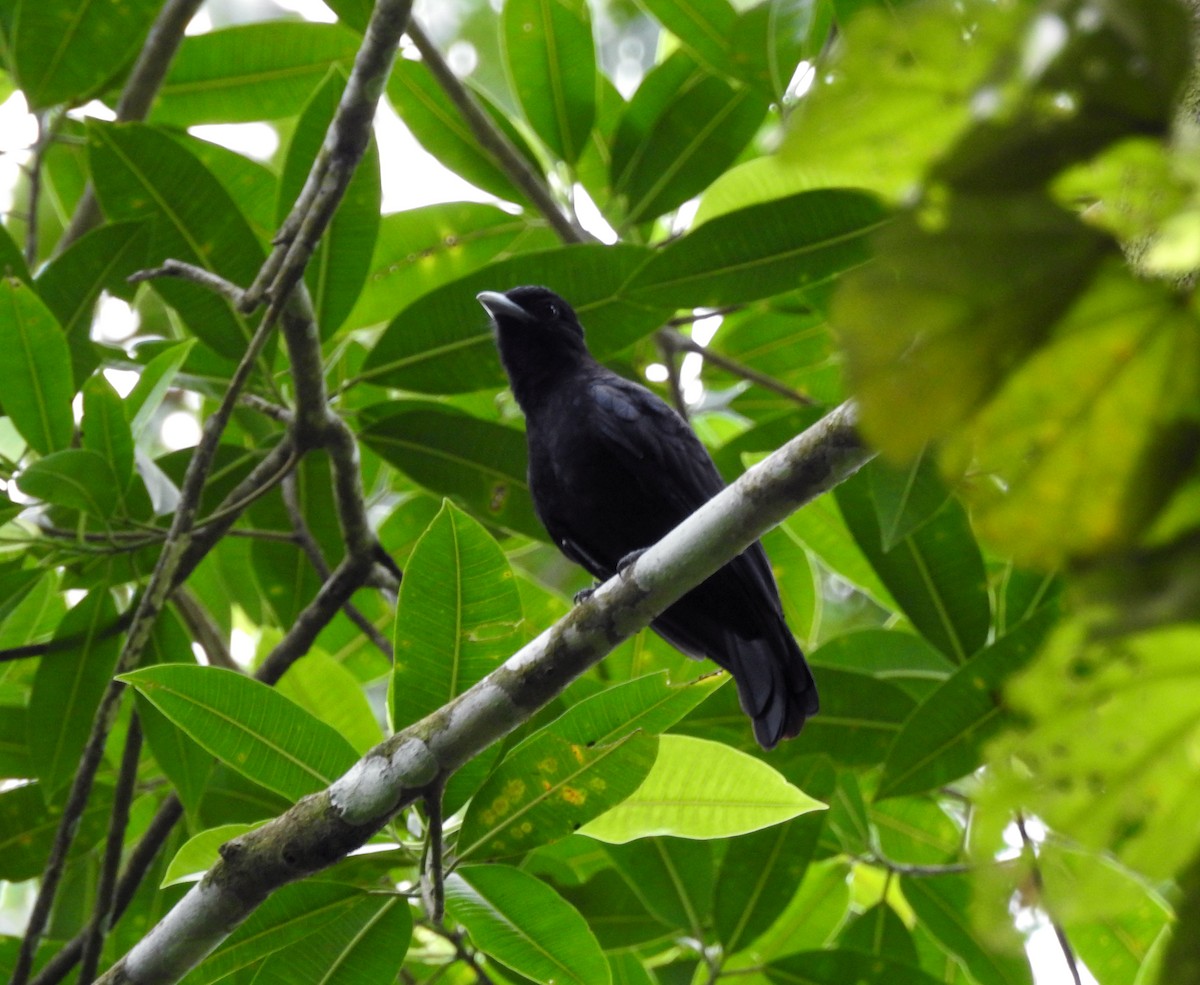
column 625, row 562
column 585, row 594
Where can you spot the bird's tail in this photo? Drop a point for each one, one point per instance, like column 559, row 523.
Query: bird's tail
column 775, row 686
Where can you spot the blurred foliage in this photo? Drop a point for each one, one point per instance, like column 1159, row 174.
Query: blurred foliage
column 979, row 219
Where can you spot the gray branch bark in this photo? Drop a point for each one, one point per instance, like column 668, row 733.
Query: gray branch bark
column 323, row 827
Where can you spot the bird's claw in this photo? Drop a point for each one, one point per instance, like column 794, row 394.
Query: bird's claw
column 585, row 594
column 624, row 564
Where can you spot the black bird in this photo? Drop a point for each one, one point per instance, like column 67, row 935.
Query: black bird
column 612, row 468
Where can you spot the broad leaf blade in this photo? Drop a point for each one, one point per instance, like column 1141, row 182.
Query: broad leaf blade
column 248, row 726
column 479, row 463
column 735, row 793
column 524, row 924
column 458, row 616
column 943, row 738
column 442, row 342
column 936, row 574
column 551, row 60
column 37, row 386
column 548, row 788
column 246, row 72
column 339, row 265
column 68, row 687
column 141, row 173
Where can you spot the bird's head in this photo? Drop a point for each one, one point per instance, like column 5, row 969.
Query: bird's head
column 539, row 338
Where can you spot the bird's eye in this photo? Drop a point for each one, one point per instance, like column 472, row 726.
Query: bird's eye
column 552, row 310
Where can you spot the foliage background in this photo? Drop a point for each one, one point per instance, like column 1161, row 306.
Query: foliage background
column 977, row 219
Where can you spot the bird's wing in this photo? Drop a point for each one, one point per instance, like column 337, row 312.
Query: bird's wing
column 677, row 475
column 655, row 445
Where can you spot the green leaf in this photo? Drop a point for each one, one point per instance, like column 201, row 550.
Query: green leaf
column 199, row 853
column 551, row 59
column 547, row 788
column 957, row 296
column 436, row 122
column 1112, row 918
column 420, row 249
column 72, row 281
column 64, row 53
column 105, row 429
column 442, row 342
column 880, row 931
column 37, row 384
column 339, row 265
column 615, row 914
column 942, row 903
column 759, row 875
column 247, row 72
column 458, row 616
column 672, row 877
column 28, row 827
column 762, row 250
column 936, row 574
column 680, row 131
column 253, row 186
column 12, row 260
column 77, row 478
column 329, row 691
column 648, row 703
column 153, row 383
column 247, row 725
column 860, row 717
column 821, row 529
column 141, row 173
column 916, row 831
column 184, row 762
column 735, row 793
column 836, row 967
column 16, row 762
column 704, row 27
column 809, row 920
column 1086, row 464
column 522, row 923
column 771, row 39
column 1118, row 713
column 366, row 946
column 919, row 76
column 68, row 687
column 904, row 497
column 290, row 916
column 903, row 659
column 943, row 739
column 480, row 463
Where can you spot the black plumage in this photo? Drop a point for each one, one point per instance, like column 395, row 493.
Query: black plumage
column 612, row 468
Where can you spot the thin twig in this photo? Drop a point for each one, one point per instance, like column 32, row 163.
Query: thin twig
column 494, row 141
column 308, row 544
column 433, row 889
column 674, row 386
column 345, row 142
column 197, row 275
column 1035, row 870
column 46, row 126
column 118, row 822
column 676, row 340
column 203, row 629
column 462, row 952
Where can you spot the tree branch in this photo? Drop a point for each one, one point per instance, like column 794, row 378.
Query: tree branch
column 494, row 141
column 321, row 828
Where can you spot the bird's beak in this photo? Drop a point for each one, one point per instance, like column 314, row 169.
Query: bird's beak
column 497, row 305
